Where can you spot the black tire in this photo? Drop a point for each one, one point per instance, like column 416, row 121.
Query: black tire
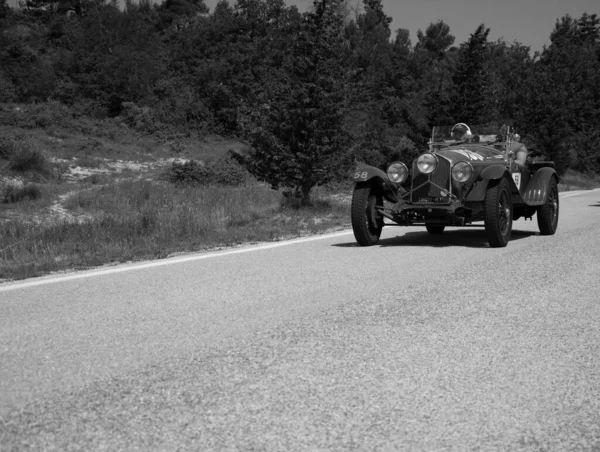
column 367, row 223
column 547, row 215
column 435, row 229
column 498, row 213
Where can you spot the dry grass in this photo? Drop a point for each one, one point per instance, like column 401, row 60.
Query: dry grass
column 133, row 220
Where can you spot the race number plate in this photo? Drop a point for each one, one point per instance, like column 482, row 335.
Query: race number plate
column 517, row 179
column 361, row 175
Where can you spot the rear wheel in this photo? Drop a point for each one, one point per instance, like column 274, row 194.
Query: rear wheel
column 547, row 215
column 498, row 213
column 435, row 229
column 367, row 222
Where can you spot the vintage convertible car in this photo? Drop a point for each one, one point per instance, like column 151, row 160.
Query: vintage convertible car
column 469, row 174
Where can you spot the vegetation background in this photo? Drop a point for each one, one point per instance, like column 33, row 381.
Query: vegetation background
column 137, row 132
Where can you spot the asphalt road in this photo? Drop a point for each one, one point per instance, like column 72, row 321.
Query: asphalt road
column 420, row 343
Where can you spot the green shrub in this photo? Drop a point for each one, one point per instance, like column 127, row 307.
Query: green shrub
column 8, row 148
column 212, row 172
column 96, row 179
column 226, row 171
column 43, row 120
column 139, row 118
column 16, row 193
column 190, row 173
column 29, row 160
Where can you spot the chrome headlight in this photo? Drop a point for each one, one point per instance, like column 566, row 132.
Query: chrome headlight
column 427, row 163
column 462, row 171
column 397, row 172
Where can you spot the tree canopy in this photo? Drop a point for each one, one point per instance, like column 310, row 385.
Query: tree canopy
column 312, row 92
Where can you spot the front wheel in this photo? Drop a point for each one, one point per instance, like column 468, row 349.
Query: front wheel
column 547, row 215
column 498, row 213
column 367, row 222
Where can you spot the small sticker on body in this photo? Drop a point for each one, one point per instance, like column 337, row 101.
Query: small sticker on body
column 517, row 179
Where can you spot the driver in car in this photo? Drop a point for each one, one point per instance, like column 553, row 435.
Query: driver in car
column 519, row 151
column 461, row 132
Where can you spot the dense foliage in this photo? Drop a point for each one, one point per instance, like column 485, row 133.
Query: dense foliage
column 311, row 92
column 210, row 172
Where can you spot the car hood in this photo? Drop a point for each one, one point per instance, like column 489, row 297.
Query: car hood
column 471, row 153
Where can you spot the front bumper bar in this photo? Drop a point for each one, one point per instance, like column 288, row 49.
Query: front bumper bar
column 414, row 214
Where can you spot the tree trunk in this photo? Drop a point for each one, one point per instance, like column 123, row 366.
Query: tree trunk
column 304, row 192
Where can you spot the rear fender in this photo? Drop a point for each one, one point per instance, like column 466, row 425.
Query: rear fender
column 536, row 193
column 367, row 173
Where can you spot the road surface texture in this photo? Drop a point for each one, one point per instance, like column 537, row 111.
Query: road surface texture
column 419, row 343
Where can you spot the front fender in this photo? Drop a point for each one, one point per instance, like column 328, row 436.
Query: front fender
column 494, row 172
column 489, row 174
column 536, row 192
column 365, row 173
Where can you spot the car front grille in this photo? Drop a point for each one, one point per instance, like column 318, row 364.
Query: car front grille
column 426, row 188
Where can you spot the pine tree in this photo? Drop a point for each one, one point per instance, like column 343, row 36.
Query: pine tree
column 4, row 9
column 433, row 63
column 471, row 79
column 561, row 99
column 436, row 39
column 294, row 124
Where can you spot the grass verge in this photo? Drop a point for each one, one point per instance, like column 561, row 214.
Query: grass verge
column 138, row 220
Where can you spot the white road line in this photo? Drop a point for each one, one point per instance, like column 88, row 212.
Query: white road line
column 168, row 261
column 575, row 193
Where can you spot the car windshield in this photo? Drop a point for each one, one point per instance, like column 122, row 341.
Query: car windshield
column 461, row 132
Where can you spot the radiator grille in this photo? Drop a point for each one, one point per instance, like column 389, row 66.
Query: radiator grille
column 430, row 193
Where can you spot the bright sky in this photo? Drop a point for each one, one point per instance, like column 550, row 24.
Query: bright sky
column 528, row 21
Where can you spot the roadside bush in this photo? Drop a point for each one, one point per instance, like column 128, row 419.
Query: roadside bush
column 211, row 172
column 226, row 171
column 96, row 179
column 8, row 90
column 7, row 148
column 43, row 120
column 190, row 173
column 30, row 116
column 139, row 118
column 178, row 104
column 29, row 160
column 15, row 192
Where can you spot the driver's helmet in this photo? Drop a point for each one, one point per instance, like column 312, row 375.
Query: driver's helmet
column 516, row 137
column 461, row 132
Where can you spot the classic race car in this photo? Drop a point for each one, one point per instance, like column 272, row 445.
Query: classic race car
column 470, row 174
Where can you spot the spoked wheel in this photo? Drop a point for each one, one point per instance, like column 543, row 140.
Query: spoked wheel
column 367, row 222
column 435, row 229
column 547, row 215
column 498, row 213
